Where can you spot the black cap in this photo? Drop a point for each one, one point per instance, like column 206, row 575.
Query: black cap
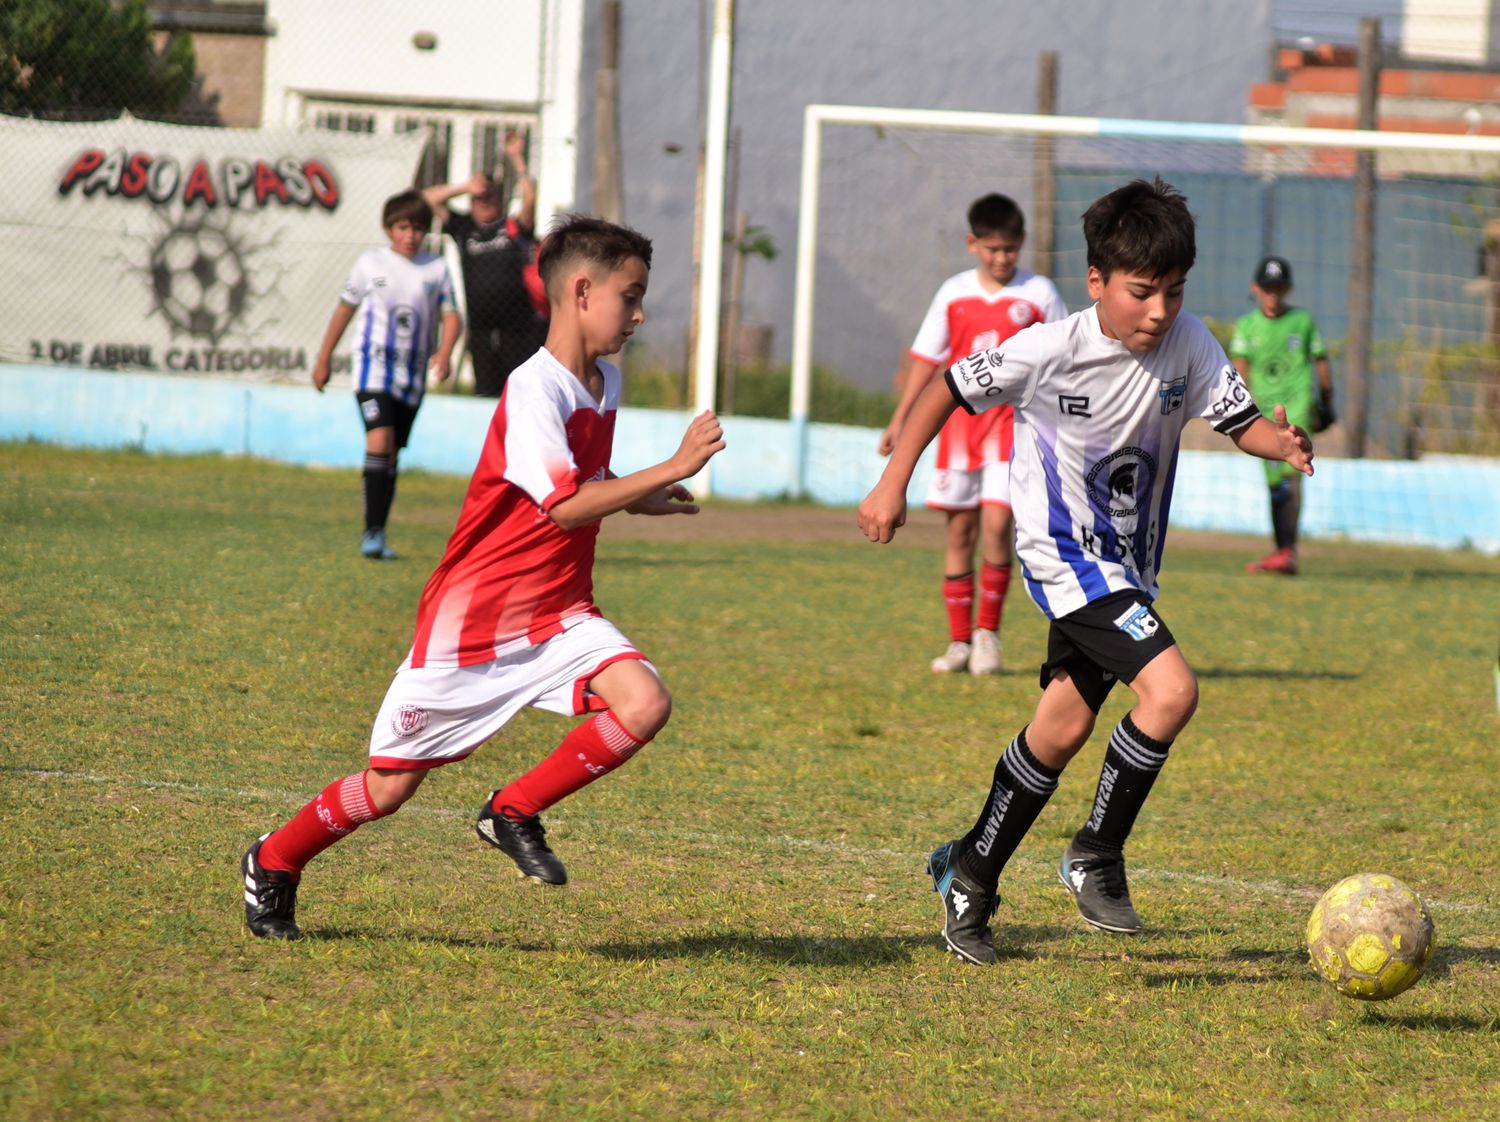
column 1273, row 272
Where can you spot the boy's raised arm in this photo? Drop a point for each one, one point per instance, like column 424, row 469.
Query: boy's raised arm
column 884, row 508
column 438, row 195
column 648, row 489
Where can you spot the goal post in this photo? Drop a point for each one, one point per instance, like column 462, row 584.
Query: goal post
column 1441, row 190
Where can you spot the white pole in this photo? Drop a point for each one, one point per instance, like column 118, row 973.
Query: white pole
column 802, row 307
column 711, row 248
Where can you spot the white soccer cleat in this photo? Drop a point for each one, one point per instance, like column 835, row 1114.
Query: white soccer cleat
column 952, row 661
column 985, row 657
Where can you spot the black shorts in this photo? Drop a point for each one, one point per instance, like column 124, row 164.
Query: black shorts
column 1108, row 640
column 382, row 411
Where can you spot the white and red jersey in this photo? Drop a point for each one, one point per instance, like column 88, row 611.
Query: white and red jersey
column 511, row 577
column 965, row 319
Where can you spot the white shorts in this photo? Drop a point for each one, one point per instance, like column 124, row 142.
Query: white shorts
column 435, row 715
column 955, row 489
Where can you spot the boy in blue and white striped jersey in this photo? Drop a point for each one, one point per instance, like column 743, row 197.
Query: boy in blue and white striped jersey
column 400, row 293
column 1100, row 401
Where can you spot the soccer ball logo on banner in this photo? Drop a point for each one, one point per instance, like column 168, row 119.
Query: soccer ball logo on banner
column 199, row 281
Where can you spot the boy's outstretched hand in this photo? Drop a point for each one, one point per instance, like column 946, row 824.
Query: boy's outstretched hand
column 1296, row 445
column 704, row 437
column 882, row 513
column 675, row 499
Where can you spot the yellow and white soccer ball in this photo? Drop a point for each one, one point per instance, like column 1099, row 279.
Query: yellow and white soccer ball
column 1370, row 936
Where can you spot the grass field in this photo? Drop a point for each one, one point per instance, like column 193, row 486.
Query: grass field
column 190, row 648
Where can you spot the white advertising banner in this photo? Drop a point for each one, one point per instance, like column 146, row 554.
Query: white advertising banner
column 142, row 246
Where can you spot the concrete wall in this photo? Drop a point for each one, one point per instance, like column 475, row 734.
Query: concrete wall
column 1150, row 58
column 1450, row 503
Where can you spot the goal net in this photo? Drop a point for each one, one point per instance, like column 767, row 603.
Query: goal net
column 885, row 194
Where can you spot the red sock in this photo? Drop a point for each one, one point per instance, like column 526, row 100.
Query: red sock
column 958, row 594
column 340, row 808
column 994, row 582
column 592, row 749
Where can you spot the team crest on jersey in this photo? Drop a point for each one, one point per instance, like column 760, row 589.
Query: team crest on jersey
column 408, row 720
column 1173, row 396
column 1120, row 482
column 1138, row 622
column 1294, row 342
column 1020, row 314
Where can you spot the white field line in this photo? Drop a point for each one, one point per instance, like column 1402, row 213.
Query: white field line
column 710, row 838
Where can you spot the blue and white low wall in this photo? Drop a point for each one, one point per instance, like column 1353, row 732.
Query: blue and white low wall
column 1447, row 502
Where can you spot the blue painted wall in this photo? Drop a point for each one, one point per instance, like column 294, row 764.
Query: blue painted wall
column 1448, row 502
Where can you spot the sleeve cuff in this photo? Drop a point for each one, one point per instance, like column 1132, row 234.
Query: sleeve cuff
column 954, row 390
column 566, row 490
column 1236, row 421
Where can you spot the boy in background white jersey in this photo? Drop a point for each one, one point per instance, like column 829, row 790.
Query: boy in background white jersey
column 400, row 294
column 975, row 310
column 1100, row 402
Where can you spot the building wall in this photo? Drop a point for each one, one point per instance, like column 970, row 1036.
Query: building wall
column 1455, row 31
column 365, row 48
column 1152, row 58
column 491, row 61
column 233, row 69
column 1321, row 90
column 229, row 39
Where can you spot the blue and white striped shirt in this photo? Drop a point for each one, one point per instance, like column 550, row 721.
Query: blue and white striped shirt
column 400, row 304
column 1096, row 438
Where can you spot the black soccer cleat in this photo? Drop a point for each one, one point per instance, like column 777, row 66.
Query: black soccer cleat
column 1097, row 883
column 270, row 898
column 967, row 908
column 522, row 839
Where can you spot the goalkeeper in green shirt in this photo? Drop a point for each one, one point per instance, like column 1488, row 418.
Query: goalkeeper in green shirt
column 1277, row 348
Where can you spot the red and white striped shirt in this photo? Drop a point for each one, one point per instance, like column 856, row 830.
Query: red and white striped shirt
column 965, row 319
column 511, row 577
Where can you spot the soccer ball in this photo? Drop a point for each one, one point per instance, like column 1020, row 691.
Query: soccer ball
column 1369, row 937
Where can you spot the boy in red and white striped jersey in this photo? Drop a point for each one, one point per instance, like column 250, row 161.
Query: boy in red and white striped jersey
column 508, row 619
column 973, row 311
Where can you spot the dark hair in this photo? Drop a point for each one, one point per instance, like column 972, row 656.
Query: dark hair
column 996, row 214
column 576, row 239
column 1143, row 228
column 408, row 205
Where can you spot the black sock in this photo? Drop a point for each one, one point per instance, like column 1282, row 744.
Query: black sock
column 1286, row 511
column 1021, row 788
column 1130, row 767
column 379, row 489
